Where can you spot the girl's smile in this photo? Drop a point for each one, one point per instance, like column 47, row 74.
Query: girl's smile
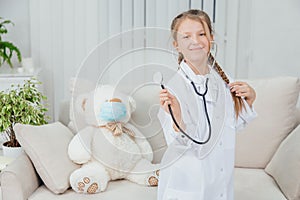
column 193, row 43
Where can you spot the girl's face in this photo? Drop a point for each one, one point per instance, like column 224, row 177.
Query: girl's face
column 192, row 41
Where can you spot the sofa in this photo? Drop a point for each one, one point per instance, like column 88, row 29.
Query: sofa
column 267, row 165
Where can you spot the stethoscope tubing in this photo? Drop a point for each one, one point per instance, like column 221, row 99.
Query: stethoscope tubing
column 206, row 114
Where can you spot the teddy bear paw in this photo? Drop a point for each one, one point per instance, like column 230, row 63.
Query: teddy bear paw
column 86, row 185
column 153, row 180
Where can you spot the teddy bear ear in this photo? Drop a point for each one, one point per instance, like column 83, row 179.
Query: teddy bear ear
column 81, row 102
column 132, row 104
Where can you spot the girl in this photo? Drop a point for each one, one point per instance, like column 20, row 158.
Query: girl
column 193, row 171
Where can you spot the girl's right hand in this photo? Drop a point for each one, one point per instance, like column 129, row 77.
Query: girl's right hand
column 166, row 98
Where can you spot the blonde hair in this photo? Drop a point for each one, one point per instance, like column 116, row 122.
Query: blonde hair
column 204, row 19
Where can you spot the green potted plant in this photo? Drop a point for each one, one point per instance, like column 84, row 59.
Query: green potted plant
column 7, row 49
column 21, row 104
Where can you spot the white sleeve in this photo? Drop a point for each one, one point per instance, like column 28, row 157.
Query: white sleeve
column 166, row 120
column 246, row 116
column 169, row 132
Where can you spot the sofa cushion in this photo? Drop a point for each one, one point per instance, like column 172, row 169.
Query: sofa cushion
column 276, row 108
column 19, row 179
column 146, row 120
column 285, row 165
column 47, row 147
column 255, row 184
column 116, row 190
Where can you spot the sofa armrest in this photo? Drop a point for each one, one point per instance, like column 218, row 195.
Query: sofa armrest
column 284, row 166
column 19, row 179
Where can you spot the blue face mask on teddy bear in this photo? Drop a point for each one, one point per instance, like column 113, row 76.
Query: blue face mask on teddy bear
column 112, row 111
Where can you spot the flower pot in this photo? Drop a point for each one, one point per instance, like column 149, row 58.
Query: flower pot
column 12, row 152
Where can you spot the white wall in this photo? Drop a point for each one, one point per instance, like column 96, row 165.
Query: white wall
column 64, row 32
column 18, row 12
column 268, row 41
column 256, row 38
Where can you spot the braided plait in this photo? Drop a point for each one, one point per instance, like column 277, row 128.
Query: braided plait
column 238, row 102
column 180, row 58
column 218, row 68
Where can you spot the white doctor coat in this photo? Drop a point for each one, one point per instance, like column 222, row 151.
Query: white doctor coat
column 191, row 171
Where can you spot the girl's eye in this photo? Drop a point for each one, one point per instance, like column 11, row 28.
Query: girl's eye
column 185, row 37
column 202, row 34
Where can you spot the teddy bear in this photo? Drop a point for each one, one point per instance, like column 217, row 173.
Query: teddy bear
column 109, row 147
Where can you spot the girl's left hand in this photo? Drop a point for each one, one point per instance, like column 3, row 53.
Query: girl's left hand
column 242, row 89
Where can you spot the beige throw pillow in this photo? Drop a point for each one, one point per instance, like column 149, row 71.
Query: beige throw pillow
column 47, row 147
column 145, row 119
column 275, row 105
column 285, row 166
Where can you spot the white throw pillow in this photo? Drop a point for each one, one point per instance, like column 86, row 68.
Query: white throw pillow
column 47, row 147
column 285, row 166
column 276, row 108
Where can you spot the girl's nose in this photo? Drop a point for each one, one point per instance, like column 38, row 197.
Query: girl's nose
column 195, row 39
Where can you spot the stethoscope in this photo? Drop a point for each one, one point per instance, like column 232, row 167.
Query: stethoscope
column 204, row 103
column 205, row 108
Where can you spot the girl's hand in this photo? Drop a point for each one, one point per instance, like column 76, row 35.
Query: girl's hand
column 166, row 98
column 242, row 89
